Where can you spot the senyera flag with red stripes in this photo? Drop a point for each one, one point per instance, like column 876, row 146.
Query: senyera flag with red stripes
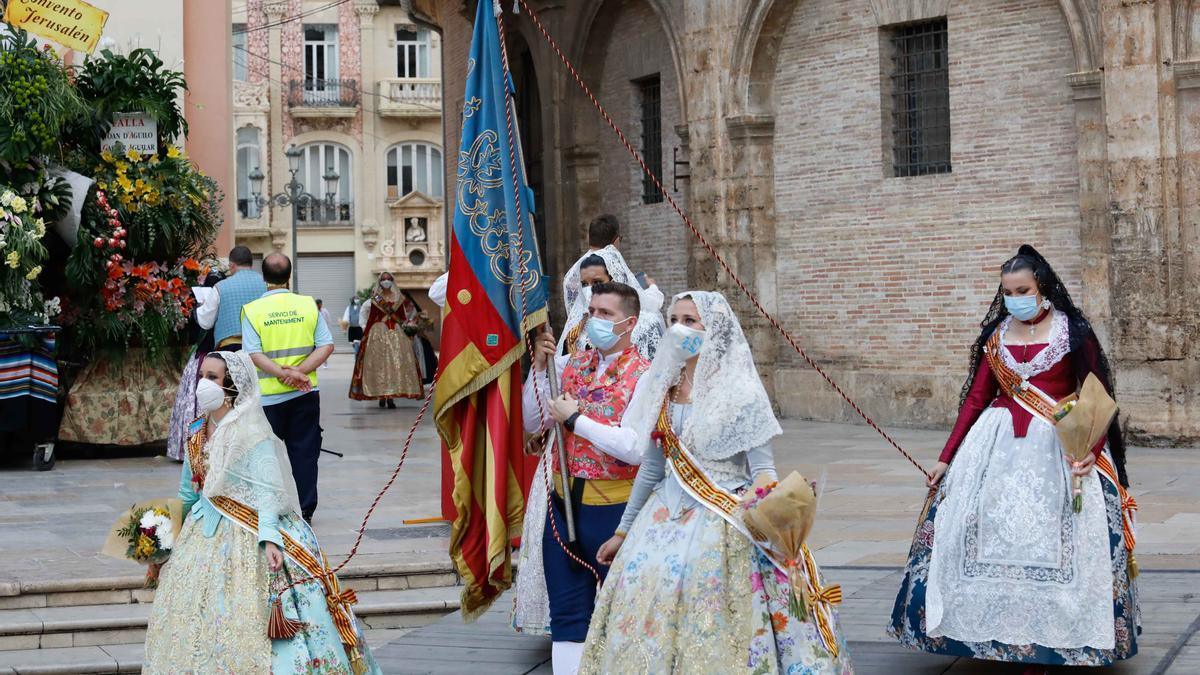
column 495, row 295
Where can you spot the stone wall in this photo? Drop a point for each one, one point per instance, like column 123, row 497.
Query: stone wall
column 885, row 278
column 631, row 47
column 1074, row 128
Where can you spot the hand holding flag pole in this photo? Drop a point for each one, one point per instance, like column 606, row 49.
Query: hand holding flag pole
column 560, row 447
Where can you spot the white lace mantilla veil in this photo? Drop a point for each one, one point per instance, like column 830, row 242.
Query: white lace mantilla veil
column 731, row 412
column 650, row 326
column 259, row 480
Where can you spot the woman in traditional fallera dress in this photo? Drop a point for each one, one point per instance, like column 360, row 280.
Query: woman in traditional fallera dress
column 222, row 594
column 687, row 591
column 531, row 604
column 603, row 266
column 386, row 365
column 1001, row 566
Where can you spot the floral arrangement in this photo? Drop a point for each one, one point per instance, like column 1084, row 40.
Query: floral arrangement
column 30, row 199
column 168, row 207
column 150, row 535
column 146, row 534
column 146, row 304
column 37, row 98
column 780, row 515
column 114, row 244
column 147, row 220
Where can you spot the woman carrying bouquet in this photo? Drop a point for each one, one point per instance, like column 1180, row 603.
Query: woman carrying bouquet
column 688, row 591
column 222, row 604
column 1002, row 566
column 386, row 365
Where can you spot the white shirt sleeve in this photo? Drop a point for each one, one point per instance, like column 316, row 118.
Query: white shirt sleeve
column 536, row 390
column 615, row 441
column 210, row 301
column 364, row 313
column 654, row 298
column 437, row 292
column 346, row 314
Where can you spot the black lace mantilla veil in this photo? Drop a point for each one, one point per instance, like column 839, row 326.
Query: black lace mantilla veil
column 1080, row 330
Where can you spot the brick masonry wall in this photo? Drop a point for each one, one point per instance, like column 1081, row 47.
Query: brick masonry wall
column 886, row 279
column 652, row 238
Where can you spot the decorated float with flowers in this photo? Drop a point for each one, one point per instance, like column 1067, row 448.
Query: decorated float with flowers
column 100, row 242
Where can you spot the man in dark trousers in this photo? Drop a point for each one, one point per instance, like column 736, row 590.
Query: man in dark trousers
column 288, row 340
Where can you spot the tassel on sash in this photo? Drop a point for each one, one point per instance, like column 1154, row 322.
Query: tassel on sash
column 338, row 601
column 804, row 579
column 280, row 627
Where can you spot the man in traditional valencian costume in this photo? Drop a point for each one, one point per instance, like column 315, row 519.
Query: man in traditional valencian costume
column 597, row 385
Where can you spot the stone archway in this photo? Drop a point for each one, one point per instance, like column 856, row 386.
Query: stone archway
column 622, row 48
column 756, row 51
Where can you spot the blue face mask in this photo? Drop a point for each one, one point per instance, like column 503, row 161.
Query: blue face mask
column 1023, row 307
column 600, row 332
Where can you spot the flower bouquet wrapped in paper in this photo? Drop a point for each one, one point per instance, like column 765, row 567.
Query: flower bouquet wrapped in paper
column 146, row 534
column 781, row 515
column 1081, row 421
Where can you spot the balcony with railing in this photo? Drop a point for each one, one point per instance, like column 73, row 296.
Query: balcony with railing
column 323, row 98
column 318, row 214
column 413, row 97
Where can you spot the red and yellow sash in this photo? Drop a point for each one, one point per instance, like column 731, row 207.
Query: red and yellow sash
column 725, row 504
column 338, row 600
column 1043, row 406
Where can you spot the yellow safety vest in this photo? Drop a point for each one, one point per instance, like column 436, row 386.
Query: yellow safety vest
column 286, row 324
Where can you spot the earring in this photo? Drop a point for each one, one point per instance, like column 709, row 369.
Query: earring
column 1046, row 303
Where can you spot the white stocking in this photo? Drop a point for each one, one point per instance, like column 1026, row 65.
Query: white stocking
column 566, row 657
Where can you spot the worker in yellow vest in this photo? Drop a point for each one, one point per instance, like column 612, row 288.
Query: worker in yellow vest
column 288, row 339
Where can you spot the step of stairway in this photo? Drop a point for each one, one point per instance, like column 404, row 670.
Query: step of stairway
column 129, row 589
column 23, row 631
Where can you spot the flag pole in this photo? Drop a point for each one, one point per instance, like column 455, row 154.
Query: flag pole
column 551, row 368
column 561, row 448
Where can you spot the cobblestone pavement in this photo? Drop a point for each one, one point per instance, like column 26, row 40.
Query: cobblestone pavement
column 52, row 524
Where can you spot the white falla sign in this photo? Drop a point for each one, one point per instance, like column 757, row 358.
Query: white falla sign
column 134, row 131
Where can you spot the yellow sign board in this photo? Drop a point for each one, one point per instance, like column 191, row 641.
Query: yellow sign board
column 71, row 23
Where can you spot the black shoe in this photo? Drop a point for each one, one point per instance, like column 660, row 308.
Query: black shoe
column 382, row 403
column 391, row 404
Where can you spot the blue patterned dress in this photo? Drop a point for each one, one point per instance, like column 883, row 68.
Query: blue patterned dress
column 212, row 606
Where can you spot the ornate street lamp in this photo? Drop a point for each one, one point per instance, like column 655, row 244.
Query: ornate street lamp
column 295, row 196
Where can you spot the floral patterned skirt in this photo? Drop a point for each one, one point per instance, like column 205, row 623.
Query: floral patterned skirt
column 212, row 606
column 1042, row 596
column 692, row 595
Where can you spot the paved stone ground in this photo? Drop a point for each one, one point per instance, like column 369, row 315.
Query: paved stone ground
column 52, row 524
column 1172, row 617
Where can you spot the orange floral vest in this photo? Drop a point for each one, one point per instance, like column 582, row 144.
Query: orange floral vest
column 602, row 397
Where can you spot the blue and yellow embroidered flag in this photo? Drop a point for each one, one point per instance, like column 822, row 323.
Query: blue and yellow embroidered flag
column 494, row 296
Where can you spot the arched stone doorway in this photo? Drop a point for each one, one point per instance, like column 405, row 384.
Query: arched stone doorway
column 627, row 56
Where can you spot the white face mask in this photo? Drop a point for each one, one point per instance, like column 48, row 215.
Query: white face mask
column 586, row 294
column 209, row 396
column 685, row 342
column 386, row 284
